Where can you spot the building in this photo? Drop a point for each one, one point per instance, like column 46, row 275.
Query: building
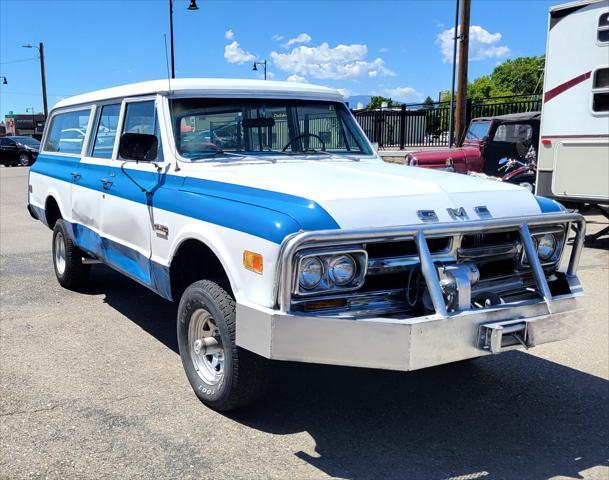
column 24, row 124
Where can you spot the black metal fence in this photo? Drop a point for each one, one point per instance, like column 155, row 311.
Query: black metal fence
column 427, row 124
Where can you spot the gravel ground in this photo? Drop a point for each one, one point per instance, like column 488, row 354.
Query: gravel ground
column 91, row 386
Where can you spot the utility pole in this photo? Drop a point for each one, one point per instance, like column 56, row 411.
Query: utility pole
column 451, row 120
column 460, row 114
column 44, row 82
column 40, row 48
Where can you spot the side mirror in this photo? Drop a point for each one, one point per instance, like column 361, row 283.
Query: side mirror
column 140, row 147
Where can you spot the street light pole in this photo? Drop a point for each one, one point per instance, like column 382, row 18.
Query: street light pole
column 173, row 68
column 192, row 6
column 255, row 67
column 43, row 77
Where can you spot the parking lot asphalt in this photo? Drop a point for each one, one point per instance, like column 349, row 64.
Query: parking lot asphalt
column 91, row 386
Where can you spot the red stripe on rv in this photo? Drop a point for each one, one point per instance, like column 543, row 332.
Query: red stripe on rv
column 563, row 87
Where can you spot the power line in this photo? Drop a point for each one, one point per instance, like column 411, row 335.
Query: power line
column 18, row 61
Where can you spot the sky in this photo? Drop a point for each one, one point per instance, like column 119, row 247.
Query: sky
column 401, row 49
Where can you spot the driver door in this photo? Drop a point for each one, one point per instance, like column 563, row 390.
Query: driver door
column 127, row 210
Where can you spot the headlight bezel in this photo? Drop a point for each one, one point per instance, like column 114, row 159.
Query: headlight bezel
column 560, row 235
column 326, row 284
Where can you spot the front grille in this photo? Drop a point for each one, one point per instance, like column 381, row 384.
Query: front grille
column 393, row 277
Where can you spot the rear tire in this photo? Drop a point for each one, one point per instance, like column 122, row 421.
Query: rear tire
column 224, row 376
column 67, row 259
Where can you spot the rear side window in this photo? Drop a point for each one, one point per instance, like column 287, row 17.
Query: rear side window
column 67, row 132
column 513, row 133
column 106, row 131
column 600, row 90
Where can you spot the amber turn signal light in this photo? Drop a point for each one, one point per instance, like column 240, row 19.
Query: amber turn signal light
column 252, row 261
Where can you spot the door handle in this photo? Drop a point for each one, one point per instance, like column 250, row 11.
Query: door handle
column 75, row 176
column 106, row 183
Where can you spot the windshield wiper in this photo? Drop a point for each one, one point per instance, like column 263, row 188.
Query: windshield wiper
column 217, row 153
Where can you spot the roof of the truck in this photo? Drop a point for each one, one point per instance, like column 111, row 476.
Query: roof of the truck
column 513, row 117
column 210, row 87
column 578, row 3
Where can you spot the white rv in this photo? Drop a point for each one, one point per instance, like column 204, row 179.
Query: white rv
column 573, row 160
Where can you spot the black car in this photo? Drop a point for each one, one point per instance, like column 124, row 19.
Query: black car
column 18, row 151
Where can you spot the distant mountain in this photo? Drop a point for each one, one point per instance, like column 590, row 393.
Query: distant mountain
column 355, row 99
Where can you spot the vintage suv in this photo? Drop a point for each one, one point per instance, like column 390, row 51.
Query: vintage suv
column 263, row 210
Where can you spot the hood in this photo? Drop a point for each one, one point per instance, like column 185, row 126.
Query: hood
column 364, row 194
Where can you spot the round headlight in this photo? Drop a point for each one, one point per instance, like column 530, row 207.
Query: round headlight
column 546, row 246
column 342, row 269
column 311, row 271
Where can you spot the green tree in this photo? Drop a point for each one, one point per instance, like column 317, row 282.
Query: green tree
column 377, row 101
column 520, row 76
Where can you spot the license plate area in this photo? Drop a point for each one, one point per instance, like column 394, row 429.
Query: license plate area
column 502, row 336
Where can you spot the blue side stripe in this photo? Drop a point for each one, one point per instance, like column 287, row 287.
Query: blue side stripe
column 126, row 260
column 547, row 205
column 262, row 213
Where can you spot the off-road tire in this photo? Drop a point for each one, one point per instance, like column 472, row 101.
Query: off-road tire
column 74, row 273
column 245, row 374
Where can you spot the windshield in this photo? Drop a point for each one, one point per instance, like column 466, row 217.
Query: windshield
column 206, row 127
column 27, row 141
column 477, row 130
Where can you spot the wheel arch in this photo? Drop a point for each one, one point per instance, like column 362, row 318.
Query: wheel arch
column 195, row 259
column 52, row 210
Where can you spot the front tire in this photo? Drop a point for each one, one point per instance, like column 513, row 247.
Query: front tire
column 224, row 377
column 67, row 259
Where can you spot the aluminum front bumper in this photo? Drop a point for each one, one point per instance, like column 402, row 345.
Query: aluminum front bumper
column 401, row 344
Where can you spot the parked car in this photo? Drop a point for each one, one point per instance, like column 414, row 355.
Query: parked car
column 293, row 240
column 487, row 141
column 18, row 150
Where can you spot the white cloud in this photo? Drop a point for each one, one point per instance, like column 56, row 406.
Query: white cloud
column 229, row 34
column 482, row 44
column 325, row 62
column 345, row 92
column 233, row 53
column 383, row 50
column 302, row 38
column 277, row 38
column 405, row 94
column 297, row 79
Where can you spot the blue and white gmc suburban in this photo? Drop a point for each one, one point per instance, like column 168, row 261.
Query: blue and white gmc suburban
column 263, row 210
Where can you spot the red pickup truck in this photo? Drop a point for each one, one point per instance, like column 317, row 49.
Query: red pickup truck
column 487, row 141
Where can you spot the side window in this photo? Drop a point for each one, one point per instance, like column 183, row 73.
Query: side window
column 603, row 28
column 67, row 132
column 513, row 133
column 106, row 131
column 140, row 117
column 600, row 90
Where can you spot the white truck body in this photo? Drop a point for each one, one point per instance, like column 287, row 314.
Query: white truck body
column 437, row 261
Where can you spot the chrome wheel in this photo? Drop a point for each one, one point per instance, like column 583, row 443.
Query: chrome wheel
column 205, row 347
column 60, row 253
column 24, row 160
